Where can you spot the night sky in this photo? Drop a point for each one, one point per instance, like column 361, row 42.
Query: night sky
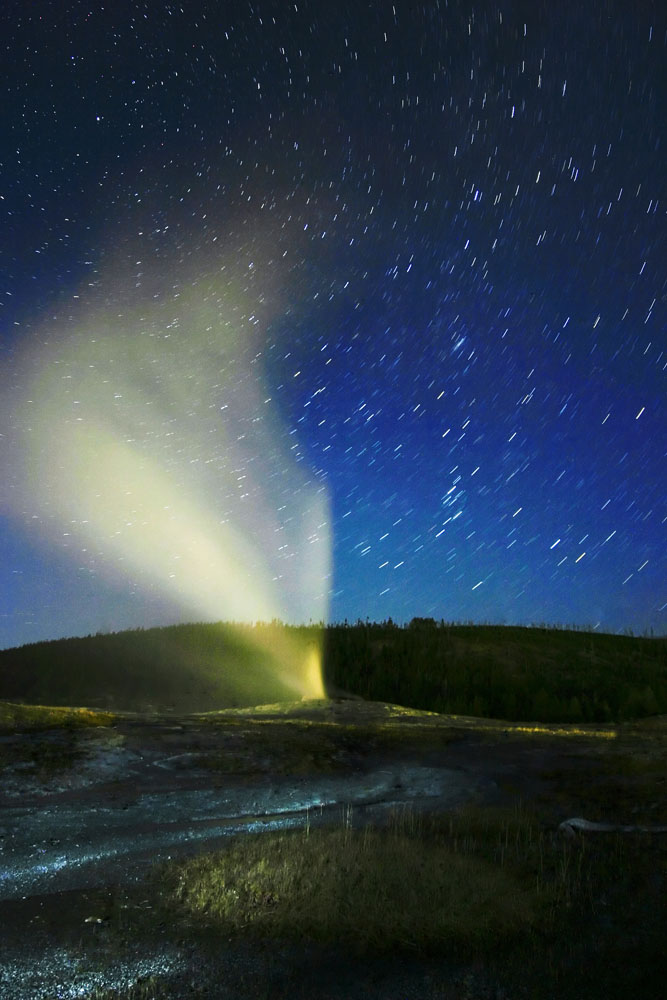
column 388, row 277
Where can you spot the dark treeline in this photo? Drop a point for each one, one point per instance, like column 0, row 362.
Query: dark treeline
column 518, row 674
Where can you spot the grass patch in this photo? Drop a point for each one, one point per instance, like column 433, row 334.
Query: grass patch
column 49, row 716
column 416, row 886
column 489, row 889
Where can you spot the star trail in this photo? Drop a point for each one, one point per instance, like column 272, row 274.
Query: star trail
column 382, row 278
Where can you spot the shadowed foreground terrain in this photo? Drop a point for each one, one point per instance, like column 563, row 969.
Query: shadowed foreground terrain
column 332, row 849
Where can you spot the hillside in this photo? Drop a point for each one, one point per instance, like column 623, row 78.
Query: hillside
column 187, row 668
column 531, row 674
column 505, row 672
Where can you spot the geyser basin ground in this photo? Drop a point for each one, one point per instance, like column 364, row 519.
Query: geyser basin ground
column 87, row 810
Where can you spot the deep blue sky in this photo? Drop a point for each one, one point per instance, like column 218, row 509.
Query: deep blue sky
column 444, row 226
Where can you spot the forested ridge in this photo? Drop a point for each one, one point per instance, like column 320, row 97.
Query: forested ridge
column 505, row 672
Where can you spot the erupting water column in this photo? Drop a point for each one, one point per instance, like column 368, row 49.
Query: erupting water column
column 149, row 439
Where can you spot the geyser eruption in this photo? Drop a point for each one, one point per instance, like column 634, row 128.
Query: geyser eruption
column 149, row 439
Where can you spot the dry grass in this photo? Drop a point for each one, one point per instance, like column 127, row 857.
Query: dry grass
column 49, row 716
column 502, row 905
column 417, row 885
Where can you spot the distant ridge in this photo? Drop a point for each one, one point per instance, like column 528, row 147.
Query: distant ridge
column 502, row 672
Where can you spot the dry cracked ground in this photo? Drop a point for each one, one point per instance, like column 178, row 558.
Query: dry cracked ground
column 85, row 814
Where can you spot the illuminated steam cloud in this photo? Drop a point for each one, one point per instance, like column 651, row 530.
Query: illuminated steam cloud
column 149, row 437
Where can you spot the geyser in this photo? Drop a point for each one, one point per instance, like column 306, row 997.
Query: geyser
column 151, row 447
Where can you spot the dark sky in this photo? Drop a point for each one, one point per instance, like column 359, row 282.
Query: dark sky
column 382, row 276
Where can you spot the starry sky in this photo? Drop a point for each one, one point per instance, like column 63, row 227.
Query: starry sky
column 383, row 278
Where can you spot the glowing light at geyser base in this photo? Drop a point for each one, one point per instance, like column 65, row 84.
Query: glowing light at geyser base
column 152, row 444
